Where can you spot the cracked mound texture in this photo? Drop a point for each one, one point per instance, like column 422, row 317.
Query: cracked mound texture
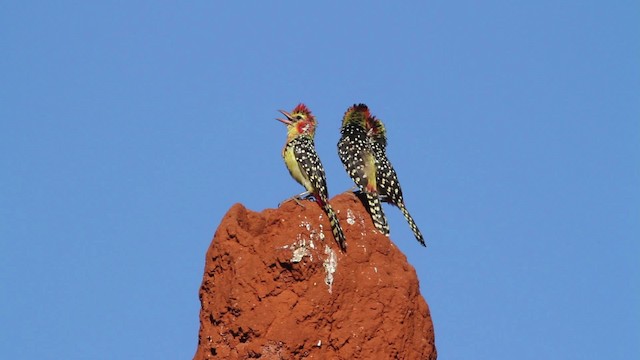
column 277, row 286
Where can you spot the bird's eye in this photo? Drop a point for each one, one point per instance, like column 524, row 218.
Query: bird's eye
column 299, row 117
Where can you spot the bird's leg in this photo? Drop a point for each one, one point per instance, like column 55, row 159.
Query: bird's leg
column 354, row 189
column 297, row 198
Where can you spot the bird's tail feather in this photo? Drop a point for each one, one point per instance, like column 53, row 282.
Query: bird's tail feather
column 412, row 224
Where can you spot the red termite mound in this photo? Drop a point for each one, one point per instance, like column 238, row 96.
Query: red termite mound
column 277, row 286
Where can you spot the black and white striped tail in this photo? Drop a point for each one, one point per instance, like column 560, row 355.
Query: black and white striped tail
column 336, row 229
column 412, row 224
column 377, row 215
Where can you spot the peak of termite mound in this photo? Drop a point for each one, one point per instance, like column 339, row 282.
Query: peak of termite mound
column 277, row 286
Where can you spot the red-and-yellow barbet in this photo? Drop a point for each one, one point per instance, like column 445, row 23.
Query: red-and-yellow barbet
column 304, row 165
column 356, row 154
column 386, row 177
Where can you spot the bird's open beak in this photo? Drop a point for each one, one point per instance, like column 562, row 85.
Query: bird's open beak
column 289, row 120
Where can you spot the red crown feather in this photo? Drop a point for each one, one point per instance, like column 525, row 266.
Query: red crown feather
column 301, row 108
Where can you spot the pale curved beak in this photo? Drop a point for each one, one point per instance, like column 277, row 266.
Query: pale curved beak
column 289, row 120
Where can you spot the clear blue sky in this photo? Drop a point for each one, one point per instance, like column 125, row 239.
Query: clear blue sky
column 127, row 129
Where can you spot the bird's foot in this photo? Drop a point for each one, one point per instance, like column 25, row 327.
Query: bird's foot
column 303, row 196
